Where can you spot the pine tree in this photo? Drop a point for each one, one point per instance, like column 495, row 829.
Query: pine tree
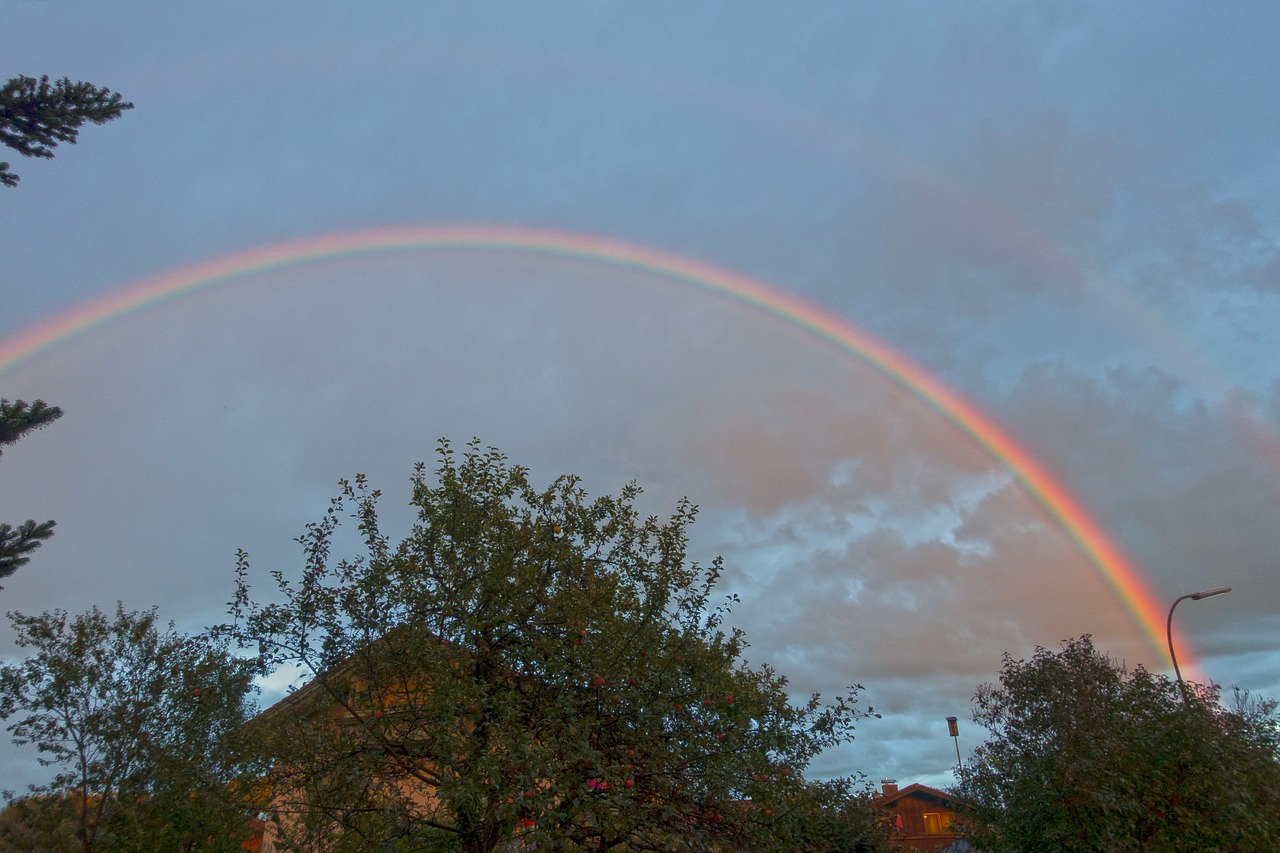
column 36, row 115
column 17, row 419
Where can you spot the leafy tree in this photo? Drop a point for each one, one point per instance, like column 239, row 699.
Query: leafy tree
column 528, row 664
column 36, row 115
column 16, row 543
column 1086, row 754
column 142, row 724
column 40, row 825
column 831, row 816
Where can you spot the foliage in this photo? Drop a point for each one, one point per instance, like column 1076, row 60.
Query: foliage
column 36, row 115
column 142, row 725
column 529, row 664
column 1086, row 754
column 40, row 825
column 16, row 420
column 830, row 817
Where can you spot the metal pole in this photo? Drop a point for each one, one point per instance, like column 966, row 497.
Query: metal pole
column 1194, row 596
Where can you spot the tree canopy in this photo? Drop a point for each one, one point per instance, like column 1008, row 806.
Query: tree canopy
column 16, row 543
column 36, row 115
column 143, row 726
column 531, row 664
column 1086, row 754
column 36, row 824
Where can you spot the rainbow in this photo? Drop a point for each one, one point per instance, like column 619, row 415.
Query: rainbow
column 1117, row 571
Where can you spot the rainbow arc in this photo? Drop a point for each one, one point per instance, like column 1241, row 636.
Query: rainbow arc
column 1119, row 573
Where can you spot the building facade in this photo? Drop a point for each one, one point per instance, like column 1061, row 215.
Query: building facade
column 923, row 816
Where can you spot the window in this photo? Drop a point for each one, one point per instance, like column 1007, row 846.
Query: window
column 937, row 823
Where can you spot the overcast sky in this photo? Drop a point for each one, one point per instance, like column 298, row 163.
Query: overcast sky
column 1067, row 212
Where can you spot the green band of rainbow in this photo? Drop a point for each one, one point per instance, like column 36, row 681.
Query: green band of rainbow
column 1116, row 570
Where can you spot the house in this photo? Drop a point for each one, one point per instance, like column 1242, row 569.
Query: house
column 342, row 703
column 922, row 815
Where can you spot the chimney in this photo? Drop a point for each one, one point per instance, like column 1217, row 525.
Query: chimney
column 888, row 787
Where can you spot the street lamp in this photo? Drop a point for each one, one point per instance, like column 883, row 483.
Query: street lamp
column 1194, row 596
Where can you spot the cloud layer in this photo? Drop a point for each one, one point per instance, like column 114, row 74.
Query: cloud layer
column 1065, row 211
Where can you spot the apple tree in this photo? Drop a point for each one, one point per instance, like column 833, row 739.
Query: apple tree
column 528, row 666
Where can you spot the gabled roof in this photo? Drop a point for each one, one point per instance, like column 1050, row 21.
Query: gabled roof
column 915, row 789
column 343, row 670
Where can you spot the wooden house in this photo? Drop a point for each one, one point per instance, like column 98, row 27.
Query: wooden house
column 923, row 816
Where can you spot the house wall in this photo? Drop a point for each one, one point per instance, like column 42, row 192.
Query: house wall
column 912, row 807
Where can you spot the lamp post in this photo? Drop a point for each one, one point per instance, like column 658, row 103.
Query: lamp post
column 1194, row 596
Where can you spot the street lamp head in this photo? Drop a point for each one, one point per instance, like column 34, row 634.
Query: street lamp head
column 1194, row 596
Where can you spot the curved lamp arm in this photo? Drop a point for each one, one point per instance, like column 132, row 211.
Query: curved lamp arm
column 1194, row 596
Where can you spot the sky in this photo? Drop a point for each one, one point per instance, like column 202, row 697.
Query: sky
column 1063, row 215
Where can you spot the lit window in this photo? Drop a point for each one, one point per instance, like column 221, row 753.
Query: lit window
column 936, row 823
